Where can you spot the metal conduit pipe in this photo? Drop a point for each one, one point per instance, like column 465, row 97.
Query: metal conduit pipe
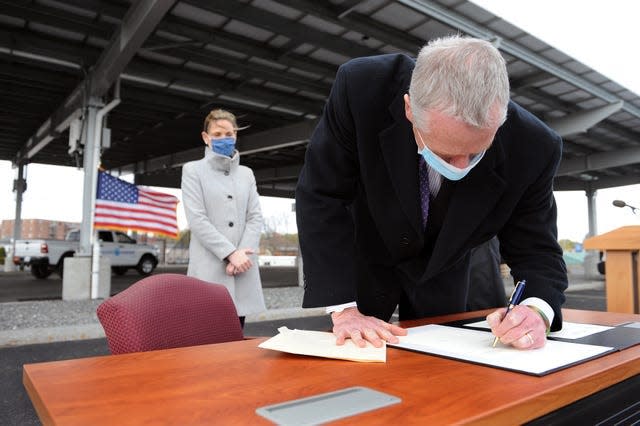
column 97, row 135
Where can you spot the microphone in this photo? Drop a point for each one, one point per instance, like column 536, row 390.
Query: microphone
column 620, row 203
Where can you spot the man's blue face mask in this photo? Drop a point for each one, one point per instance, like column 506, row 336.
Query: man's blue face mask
column 223, row 146
column 442, row 167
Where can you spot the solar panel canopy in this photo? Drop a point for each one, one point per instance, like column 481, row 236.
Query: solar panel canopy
column 272, row 63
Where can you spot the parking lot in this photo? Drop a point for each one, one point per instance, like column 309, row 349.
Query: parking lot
column 20, row 286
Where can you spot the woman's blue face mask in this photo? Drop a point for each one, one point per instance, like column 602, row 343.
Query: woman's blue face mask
column 223, row 146
column 445, row 169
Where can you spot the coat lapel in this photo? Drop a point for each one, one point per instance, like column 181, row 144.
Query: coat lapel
column 474, row 197
column 399, row 153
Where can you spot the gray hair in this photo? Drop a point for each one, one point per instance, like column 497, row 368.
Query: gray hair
column 465, row 78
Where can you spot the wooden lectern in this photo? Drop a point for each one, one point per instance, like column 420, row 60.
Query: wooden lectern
column 621, row 248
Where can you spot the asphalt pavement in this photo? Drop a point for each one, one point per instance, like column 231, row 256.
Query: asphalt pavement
column 41, row 329
column 37, row 326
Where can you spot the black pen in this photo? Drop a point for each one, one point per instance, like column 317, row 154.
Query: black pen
column 513, row 301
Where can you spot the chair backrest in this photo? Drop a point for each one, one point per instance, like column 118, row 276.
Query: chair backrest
column 169, row 311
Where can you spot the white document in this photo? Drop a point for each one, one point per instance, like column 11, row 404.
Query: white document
column 476, row 346
column 570, row 330
column 322, row 344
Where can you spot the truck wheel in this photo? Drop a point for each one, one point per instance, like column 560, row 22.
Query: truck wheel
column 119, row 270
column 146, row 265
column 60, row 267
column 40, row 271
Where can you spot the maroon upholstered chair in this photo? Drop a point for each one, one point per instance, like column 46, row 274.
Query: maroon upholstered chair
column 168, row 311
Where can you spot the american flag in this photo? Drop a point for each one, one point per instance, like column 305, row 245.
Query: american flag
column 125, row 206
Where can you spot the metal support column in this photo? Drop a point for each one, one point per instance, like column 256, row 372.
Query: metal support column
column 90, row 167
column 592, row 257
column 76, row 280
column 591, row 211
column 19, row 186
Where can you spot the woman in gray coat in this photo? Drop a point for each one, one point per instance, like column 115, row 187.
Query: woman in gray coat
column 223, row 211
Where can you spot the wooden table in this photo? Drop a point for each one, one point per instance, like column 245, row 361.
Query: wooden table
column 225, row 383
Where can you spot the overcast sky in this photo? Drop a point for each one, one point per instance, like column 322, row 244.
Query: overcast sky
column 602, row 35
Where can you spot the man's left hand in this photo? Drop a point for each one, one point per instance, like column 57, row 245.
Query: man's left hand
column 351, row 324
column 522, row 328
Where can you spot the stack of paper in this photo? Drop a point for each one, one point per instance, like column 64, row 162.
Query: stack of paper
column 322, row 344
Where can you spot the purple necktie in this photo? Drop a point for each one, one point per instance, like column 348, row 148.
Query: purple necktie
column 423, row 176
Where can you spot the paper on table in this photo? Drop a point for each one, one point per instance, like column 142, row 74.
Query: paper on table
column 475, row 346
column 322, row 344
column 570, row 330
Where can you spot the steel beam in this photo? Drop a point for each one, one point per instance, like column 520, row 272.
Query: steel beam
column 282, row 137
column 349, row 18
column 582, row 121
column 598, row 161
column 566, row 183
column 280, row 25
column 139, row 22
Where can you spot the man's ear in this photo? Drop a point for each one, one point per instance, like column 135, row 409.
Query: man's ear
column 407, row 108
column 205, row 138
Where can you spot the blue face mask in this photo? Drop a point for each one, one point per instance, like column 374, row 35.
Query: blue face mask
column 442, row 167
column 224, row 146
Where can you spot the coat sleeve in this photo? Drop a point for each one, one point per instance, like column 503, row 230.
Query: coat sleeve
column 254, row 222
column 326, row 189
column 529, row 242
column 197, row 218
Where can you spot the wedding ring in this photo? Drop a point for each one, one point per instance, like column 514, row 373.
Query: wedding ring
column 530, row 338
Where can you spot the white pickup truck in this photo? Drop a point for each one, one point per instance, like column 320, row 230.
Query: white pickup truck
column 46, row 256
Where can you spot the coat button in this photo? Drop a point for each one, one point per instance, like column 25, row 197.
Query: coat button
column 230, row 197
column 404, row 241
column 226, row 173
column 230, row 224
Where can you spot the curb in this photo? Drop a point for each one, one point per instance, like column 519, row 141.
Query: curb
column 285, row 313
column 29, row 336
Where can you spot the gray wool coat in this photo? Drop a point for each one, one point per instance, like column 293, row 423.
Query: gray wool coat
column 223, row 211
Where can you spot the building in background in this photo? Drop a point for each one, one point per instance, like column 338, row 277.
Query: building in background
column 38, row 228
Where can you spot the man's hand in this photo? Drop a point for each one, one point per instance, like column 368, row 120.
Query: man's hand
column 240, row 261
column 351, row 324
column 523, row 328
